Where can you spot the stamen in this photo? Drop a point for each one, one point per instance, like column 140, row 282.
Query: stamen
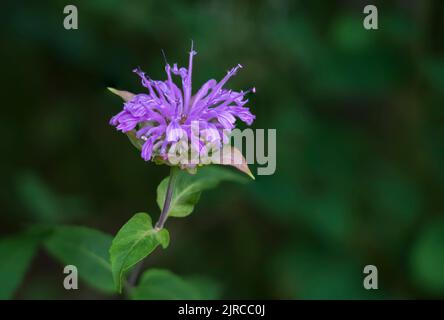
column 187, row 86
column 164, row 56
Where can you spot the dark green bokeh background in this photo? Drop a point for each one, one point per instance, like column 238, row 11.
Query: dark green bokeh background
column 359, row 118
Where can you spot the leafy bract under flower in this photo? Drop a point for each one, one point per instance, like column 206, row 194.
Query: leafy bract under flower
column 167, row 117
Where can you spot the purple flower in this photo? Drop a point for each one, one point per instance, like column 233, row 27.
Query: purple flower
column 166, row 115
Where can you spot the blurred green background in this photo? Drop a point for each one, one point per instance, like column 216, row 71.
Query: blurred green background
column 359, row 118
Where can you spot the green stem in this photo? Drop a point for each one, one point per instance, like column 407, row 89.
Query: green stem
column 168, row 197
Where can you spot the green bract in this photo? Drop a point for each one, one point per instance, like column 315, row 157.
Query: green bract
column 16, row 254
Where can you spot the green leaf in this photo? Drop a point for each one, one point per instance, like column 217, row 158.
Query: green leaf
column 134, row 241
column 208, row 289
column 88, row 250
column 427, row 260
column 158, row 284
column 41, row 204
column 189, row 187
column 16, row 253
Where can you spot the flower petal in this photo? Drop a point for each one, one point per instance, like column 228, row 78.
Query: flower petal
column 174, row 132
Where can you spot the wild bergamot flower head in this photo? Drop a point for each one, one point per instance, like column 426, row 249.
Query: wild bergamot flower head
column 165, row 117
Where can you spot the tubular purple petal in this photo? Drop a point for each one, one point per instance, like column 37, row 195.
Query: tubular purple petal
column 164, row 116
